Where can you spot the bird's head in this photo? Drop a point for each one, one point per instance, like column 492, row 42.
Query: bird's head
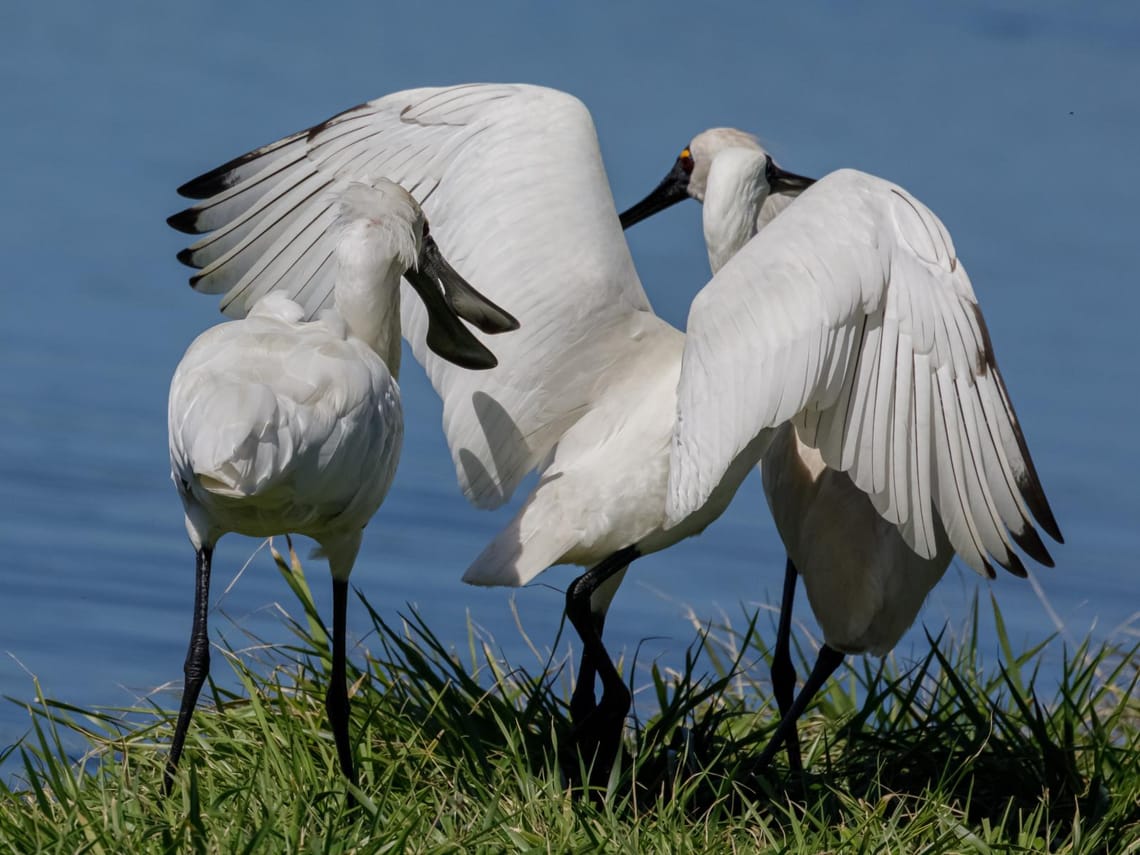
column 690, row 173
column 380, row 223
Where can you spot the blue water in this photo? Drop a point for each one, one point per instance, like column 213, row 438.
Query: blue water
column 1016, row 122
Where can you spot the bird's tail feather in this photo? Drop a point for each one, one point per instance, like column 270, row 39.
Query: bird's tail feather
column 527, row 546
column 240, row 454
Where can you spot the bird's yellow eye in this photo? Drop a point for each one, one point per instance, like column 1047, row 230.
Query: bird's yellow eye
column 685, row 158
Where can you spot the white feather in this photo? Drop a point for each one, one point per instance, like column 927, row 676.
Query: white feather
column 858, row 255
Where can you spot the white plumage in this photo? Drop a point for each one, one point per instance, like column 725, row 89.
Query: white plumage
column 587, row 391
column 853, row 310
column 847, row 333
column 281, row 425
column 278, row 424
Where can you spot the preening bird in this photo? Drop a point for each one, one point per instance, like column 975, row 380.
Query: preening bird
column 852, row 329
column 278, row 424
column 587, row 391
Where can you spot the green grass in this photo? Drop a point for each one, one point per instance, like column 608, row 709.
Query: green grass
column 461, row 754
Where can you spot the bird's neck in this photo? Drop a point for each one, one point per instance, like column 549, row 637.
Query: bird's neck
column 367, row 293
column 734, row 195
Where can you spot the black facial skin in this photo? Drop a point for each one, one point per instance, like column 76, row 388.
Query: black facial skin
column 673, row 188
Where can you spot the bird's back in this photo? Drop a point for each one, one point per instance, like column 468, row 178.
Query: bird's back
column 278, row 425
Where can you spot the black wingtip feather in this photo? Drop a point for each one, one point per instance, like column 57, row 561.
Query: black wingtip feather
column 1028, row 483
column 989, row 568
column 1034, row 493
column 186, row 256
column 1031, row 544
column 217, row 179
column 1013, row 564
column 184, row 221
column 1047, row 521
column 213, row 182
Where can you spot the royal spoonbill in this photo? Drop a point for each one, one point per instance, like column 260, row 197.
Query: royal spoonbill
column 281, row 425
column 903, row 353
column 586, row 391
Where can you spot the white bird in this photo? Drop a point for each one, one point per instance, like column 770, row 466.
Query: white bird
column 586, row 391
column 280, row 425
column 861, row 322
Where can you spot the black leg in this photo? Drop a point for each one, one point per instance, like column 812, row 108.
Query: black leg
column 783, row 672
column 582, row 702
column 336, row 698
column 197, row 665
column 600, row 731
column 825, row 665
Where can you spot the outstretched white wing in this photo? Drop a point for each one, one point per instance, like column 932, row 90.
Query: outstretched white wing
column 512, row 182
column 851, row 314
